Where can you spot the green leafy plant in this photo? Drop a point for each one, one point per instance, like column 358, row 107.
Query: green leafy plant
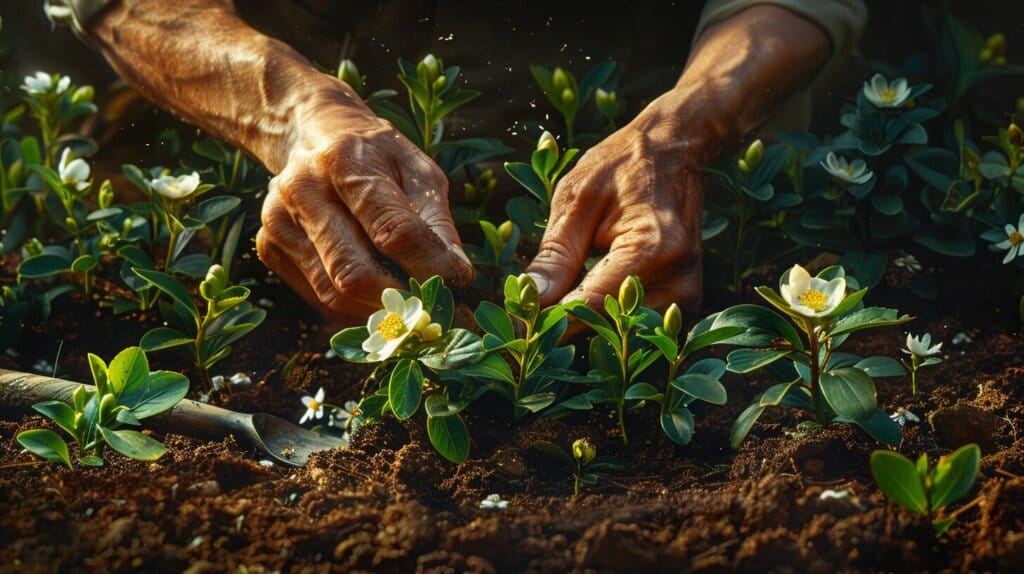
column 701, row 381
column 528, row 335
column 417, row 353
column 567, row 95
column 209, row 334
column 927, row 490
column 126, row 392
column 539, row 177
column 584, row 463
column 495, row 259
column 818, row 316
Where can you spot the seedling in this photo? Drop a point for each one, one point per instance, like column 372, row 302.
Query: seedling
column 126, row 392
column 921, row 354
column 227, row 317
column 927, row 490
column 584, row 463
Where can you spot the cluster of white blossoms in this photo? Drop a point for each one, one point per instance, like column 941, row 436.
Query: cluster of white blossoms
column 43, row 83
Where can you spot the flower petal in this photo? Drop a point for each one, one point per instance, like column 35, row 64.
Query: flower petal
column 374, row 343
column 393, row 301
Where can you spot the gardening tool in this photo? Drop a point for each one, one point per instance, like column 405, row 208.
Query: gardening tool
column 268, row 435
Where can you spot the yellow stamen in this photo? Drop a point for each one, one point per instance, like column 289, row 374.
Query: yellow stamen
column 1016, row 238
column 314, row 405
column 888, row 94
column 814, row 300
column 392, row 327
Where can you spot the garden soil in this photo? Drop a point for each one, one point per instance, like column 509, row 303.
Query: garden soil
column 389, row 503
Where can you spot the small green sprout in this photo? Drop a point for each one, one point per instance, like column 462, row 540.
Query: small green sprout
column 209, row 334
column 540, row 176
column 927, row 490
column 818, row 315
column 922, row 354
column 432, row 96
column 126, row 392
column 566, row 94
column 586, row 466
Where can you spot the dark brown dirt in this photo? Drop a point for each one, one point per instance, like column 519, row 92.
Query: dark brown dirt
column 390, row 504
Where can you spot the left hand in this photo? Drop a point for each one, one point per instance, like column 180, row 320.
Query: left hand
column 638, row 195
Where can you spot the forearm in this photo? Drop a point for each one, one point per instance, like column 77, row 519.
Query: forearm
column 739, row 71
column 197, row 59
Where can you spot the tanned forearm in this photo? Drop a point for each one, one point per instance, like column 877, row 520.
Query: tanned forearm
column 739, row 71
column 199, row 60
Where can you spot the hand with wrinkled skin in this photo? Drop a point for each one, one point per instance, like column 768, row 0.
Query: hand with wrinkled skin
column 638, row 193
column 350, row 191
column 354, row 187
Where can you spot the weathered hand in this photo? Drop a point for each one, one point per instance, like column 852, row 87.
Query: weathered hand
column 354, row 189
column 637, row 195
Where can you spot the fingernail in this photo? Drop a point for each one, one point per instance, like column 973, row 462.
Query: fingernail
column 541, row 281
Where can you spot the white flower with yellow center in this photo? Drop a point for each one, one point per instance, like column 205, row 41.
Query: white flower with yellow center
column 921, row 346
column 314, row 406
column 43, row 83
column 175, row 188
column 855, row 172
column 73, row 172
column 812, row 296
column 392, row 325
column 1014, row 240
column 885, row 94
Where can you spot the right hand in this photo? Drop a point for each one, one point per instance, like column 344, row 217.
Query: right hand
column 354, row 189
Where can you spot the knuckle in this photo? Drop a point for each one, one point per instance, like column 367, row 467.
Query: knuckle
column 394, row 231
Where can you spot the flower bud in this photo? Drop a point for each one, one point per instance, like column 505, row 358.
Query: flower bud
column 985, row 55
column 440, row 83
column 84, row 94
column 215, row 282
column 754, row 154
column 469, row 190
column 106, row 194
column 548, row 141
column 743, row 166
column 1015, row 134
column 629, row 294
column 487, row 180
column 33, row 247
column 568, row 97
column 126, row 226
column 529, row 298
column 607, row 103
column 583, row 451
column 505, row 230
column 432, row 66
column 71, row 224
column 560, row 80
column 349, row 73
column 996, row 43
column 673, row 321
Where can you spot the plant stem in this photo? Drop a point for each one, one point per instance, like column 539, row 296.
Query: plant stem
column 623, row 378
column 815, row 367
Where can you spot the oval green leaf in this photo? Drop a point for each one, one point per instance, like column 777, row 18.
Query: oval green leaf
column 678, row 425
column 405, row 388
column 133, row 444
column 850, row 392
column 46, row 444
column 898, row 479
column 449, row 436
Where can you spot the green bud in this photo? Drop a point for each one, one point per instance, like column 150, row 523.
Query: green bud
column 754, row 154
column 996, row 43
column 985, row 55
column 487, row 180
column 505, row 231
column 630, row 293
column 432, row 66
column 568, row 97
column 215, row 282
column 126, row 226
column 999, row 60
column 469, row 190
column 529, row 298
column 1015, row 135
column 673, row 320
column 742, row 164
column 84, row 94
column 349, row 73
column 548, row 141
column 33, row 246
column 106, row 194
column 560, row 80
column 440, row 83
column 71, row 224
column 607, row 103
column 583, row 451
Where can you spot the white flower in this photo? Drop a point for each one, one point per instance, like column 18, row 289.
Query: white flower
column 1013, row 241
column 902, row 416
column 921, row 346
column 884, row 94
column 346, row 416
column 314, row 406
column 217, row 381
column 73, row 172
column 43, row 83
column 393, row 324
column 908, row 262
column 240, row 379
column 812, row 296
column 493, row 502
column 176, row 187
column 855, row 172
